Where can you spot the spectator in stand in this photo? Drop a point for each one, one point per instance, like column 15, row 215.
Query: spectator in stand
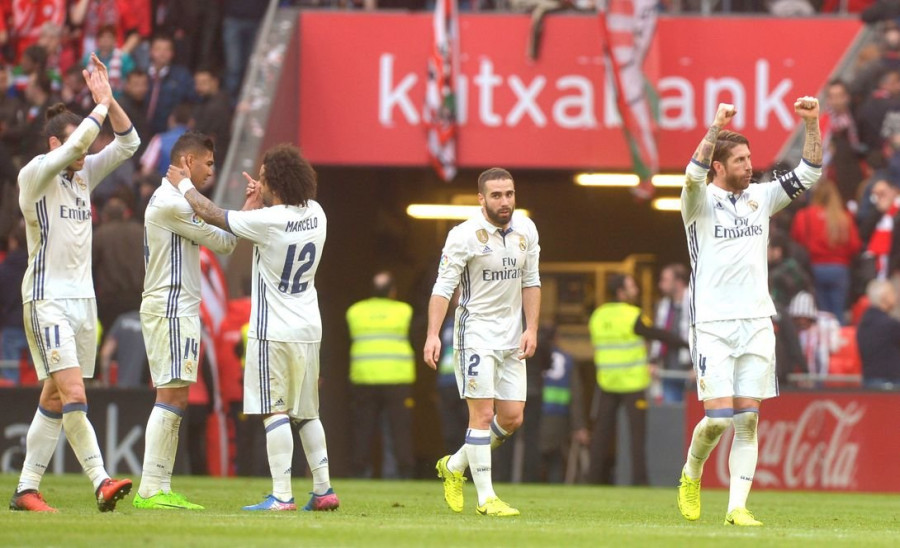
column 75, row 93
column 786, row 275
column 118, row 62
column 60, row 53
column 828, row 233
column 818, row 332
column 879, row 10
column 119, row 182
column 672, row 315
column 124, row 346
column 33, row 61
column 170, row 84
column 134, row 103
column 840, row 140
column 91, row 16
column 156, row 158
column 887, row 57
column 29, row 136
column 882, row 228
column 239, row 26
column 196, row 27
column 131, row 20
column 871, row 114
column 29, row 16
column 13, row 345
column 212, row 115
column 118, row 262
column 878, row 336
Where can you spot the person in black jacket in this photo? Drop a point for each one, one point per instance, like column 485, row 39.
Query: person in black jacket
column 878, row 336
column 12, row 328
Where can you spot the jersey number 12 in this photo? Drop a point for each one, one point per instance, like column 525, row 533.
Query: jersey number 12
column 304, row 260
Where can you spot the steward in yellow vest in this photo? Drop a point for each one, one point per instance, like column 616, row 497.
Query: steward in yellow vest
column 382, row 372
column 618, row 332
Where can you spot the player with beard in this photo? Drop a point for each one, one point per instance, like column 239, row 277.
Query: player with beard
column 732, row 339
column 493, row 257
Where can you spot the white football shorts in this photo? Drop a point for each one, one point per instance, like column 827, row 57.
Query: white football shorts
column 173, row 349
column 282, row 377
column 490, row 374
column 62, row 334
column 734, row 358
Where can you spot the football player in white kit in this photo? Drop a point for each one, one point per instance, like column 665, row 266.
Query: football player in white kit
column 170, row 316
column 732, row 339
column 493, row 257
column 58, row 291
column 281, row 375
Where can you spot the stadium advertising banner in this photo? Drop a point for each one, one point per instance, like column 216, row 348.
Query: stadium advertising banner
column 119, row 417
column 816, row 441
column 362, row 87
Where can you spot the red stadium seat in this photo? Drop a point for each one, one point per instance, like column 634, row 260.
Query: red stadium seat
column 846, row 360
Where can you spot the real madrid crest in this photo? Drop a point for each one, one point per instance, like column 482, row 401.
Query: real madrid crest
column 482, row 235
column 54, row 357
column 189, row 366
column 522, row 243
column 753, row 205
column 80, row 182
column 472, row 384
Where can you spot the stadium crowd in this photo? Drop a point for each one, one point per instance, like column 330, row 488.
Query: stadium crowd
column 834, row 256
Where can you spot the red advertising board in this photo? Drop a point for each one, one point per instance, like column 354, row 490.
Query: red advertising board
column 362, row 87
column 817, row 441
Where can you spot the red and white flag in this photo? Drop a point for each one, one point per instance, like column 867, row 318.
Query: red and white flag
column 440, row 91
column 627, row 28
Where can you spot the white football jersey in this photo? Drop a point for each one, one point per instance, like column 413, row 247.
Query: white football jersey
column 289, row 242
column 727, row 237
column 491, row 266
column 57, row 213
column 173, row 234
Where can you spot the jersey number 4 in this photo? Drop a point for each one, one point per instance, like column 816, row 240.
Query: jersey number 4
column 303, row 261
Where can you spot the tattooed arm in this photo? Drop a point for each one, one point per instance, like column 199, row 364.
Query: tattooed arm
column 808, row 109
column 693, row 192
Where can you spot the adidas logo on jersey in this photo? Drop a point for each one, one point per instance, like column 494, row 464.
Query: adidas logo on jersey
column 279, row 403
column 324, row 460
column 719, row 205
column 487, row 249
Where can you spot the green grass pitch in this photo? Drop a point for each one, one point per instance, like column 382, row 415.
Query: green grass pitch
column 412, row 513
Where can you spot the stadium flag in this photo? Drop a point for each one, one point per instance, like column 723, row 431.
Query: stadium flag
column 440, row 92
column 627, row 28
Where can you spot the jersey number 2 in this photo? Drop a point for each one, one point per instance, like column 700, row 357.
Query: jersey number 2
column 305, row 259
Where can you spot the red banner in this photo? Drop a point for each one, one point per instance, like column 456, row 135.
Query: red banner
column 362, row 87
column 817, row 441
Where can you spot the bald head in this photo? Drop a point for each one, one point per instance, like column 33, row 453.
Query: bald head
column 383, row 284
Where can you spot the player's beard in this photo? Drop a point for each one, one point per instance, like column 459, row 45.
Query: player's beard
column 737, row 181
column 496, row 217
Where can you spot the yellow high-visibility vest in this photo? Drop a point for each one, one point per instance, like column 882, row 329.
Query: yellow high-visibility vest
column 380, row 352
column 620, row 355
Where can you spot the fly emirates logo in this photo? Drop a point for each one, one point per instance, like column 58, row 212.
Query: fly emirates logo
column 741, row 229
column 569, row 101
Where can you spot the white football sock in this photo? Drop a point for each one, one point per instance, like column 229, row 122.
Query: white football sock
column 280, row 448
column 705, row 438
column 40, row 443
column 478, row 448
column 742, row 460
column 498, row 434
column 459, row 461
column 160, row 447
column 83, row 440
column 312, row 436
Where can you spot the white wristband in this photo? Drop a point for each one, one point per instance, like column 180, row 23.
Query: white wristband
column 184, row 185
column 101, row 110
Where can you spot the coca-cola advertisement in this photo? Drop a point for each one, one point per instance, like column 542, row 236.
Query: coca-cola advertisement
column 817, row 441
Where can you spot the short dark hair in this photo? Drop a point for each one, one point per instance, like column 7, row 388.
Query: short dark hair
column 107, row 29
column 492, row 174
column 136, row 72
column 164, row 36
column 289, row 175
column 58, row 119
column 725, row 143
column 192, row 142
column 679, row 271
column 42, row 81
column 614, row 283
column 182, row 113
column 37, row 54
